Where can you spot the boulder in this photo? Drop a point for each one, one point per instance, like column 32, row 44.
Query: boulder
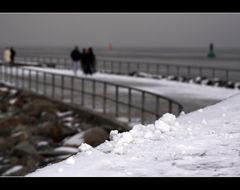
column 37, row 106
column 8, row 122
column 56, row 131
column 4, row 106
column 95, row 136
column 23, row 149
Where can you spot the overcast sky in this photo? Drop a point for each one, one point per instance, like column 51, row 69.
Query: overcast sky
column 123, row 29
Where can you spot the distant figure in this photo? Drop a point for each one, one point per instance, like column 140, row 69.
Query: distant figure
column 76, row 57
column 7, row 55
column 84, row 61
column 211, row 53
column 91, row 61
column 13, row 54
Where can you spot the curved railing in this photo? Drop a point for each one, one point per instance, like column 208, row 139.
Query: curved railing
column 123, row 102
column 119, row 66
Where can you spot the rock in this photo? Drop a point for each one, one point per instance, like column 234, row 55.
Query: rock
column 48, row 116
column 31, row 162
column 23, row 149
column 38, row 106
column 3, row 144
column 54, row 130
column 4, row 106
column 41, row 142
column 19, row 136
column 20, row 101
column 95, row 136
column 3, row 93
column 9, row 122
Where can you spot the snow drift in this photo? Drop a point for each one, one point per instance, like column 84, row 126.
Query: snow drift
column 201, row 143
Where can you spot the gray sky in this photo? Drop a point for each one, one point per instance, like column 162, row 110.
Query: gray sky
column 153, row 30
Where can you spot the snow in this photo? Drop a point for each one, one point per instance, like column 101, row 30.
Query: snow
column 64, row 114
column 42, row 143
column 75, row 139
column 12, row 170
column 4, row 89
column 201, row 143
column 13, row 101
column 70, row 161
column 66, row 150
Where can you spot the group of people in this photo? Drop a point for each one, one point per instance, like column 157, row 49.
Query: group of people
column 9, row 55
column 86, row 59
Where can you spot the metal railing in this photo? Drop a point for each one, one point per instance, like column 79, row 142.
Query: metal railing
column 126, row 67
column 130, row 104
column 167, row 69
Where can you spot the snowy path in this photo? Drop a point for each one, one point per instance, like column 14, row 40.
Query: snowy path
column 202, row 143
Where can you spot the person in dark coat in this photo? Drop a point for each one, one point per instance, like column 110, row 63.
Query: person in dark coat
column 92, row 61
column 76, row 57
column 84, row 62
column 12, row 55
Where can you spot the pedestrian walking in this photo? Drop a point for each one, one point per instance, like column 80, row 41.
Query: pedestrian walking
column 76, row 57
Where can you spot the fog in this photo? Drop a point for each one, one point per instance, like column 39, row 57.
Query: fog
column 120, row 29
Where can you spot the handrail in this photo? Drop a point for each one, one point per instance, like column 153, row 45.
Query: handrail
column 117, row 100
column 168, row 69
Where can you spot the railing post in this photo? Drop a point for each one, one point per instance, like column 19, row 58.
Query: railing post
column 44, row 83
column 1, row 71
column 116, row 97
column 179, row 109
column 104, row 66
column 29, row 78
column 119, row 67
column 112, row 67
column 93, row 94
column 167, row 70
column 157, row 107
column 138, row 67
column 37, row 81
column 188, row 70
column 71, row 89
column 158, row 70
column 142, row 108
column 227, row 75
column 22, row 78
column 53, row 84
column 148, row 72
column 170, row 106
column 11, row 75
column 200, row 71
column 62, row 87
column 82, row 92
column 178, row 68
column 6, row 73
column 104, row 97
column 213, row 72
column 16, row 78
column 129, row 104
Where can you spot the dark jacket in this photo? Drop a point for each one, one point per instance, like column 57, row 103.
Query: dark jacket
column 75, row 55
